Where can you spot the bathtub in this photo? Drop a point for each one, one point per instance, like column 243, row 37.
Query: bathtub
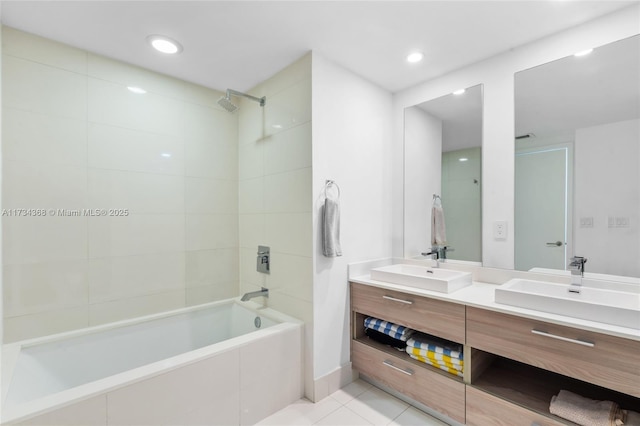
column 226, row 362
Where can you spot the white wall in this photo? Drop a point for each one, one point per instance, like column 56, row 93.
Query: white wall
column 423, row 172
column 76, row 138
column 275, row 194
column 497, row 76
column 352, row 146
column 607, row 184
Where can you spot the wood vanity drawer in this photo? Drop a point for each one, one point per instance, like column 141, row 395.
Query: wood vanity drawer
column 485, row 409
column 443, row 319
column 608, row 361
column 443, row 394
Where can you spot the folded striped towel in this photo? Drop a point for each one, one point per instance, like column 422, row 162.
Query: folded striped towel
column 441, row 367
column 396, row 331
column 437, row 362
column 434, row 356
column 441, row 346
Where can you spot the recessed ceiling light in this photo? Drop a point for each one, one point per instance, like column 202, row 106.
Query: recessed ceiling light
column 166, row 155
column 137, row 90
column 463, row 159
column 459, row 92
column 164, row 44
column 583, row 52
column 415, row 57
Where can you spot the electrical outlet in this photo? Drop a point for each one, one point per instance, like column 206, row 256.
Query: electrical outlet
column 622, row 222
column 500, row 230
column 586, row 222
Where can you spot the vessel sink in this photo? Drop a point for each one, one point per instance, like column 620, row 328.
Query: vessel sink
column 427, row 278
column 604, row 305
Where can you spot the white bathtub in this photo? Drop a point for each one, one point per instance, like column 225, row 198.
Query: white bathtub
column 204, row 365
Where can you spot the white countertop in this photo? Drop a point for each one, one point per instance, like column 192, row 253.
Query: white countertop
column 481, row 295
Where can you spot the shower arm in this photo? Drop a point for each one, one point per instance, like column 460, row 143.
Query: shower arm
column 261, row 100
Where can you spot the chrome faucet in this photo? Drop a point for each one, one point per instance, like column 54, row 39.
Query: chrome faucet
column 577, row 272
column 264, row 292
column 435, row 255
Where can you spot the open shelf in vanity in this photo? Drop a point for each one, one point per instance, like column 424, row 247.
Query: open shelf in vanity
column 531, row 388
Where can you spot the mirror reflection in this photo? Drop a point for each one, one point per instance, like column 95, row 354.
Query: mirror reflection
column 443, row 143
column 577, row 158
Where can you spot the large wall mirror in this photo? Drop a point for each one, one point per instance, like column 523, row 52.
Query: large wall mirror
column 443, row 156
column 577, row 179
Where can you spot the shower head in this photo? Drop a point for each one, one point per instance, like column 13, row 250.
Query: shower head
column 225, row 101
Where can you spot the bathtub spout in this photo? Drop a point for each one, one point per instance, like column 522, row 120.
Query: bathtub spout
column 263, row 292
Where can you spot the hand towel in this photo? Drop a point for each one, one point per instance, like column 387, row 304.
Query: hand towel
column 331, row 228
column 396, row 331
column 438, row 231
column 585, row 411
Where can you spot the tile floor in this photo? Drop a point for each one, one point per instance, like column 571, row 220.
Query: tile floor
column 358, row 403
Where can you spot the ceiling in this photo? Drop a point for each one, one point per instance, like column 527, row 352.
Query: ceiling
column 238, row 44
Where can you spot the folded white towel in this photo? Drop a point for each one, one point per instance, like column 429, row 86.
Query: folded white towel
column 438, row 231
column 331, row 228
column 585, row 411
column 633, row 419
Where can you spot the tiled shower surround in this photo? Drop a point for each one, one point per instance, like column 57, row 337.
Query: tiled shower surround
column 74, row 137
column 200, row 189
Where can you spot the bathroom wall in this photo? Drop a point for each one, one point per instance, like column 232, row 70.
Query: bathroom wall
column 602, row 192
column 352, row 146
column 423, row 145
column 75, row 138
column 497, row 76
column 275, row 194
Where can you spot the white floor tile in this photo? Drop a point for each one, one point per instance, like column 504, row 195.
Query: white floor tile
column 343, row 417
column 358, row 403
column 302, row 412
column 351, row 391
column 377, row 406
column 414, row 417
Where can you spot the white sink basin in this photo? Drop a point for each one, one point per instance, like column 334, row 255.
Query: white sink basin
column 435, row 279
column 596, row 304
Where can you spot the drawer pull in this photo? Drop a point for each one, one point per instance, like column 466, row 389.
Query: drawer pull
column 389, row 364
column 407, row 302
column 564, row 339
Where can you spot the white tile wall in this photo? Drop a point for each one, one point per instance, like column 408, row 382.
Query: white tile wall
column 74, row 138
column 275, row 196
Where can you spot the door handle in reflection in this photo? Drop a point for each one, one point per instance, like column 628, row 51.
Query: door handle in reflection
column 556, row 244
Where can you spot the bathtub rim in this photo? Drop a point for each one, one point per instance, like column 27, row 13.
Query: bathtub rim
column 64, row 398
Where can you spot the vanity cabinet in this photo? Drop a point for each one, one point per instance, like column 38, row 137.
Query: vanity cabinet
column 513, row 365
column 426, row 384
column 608, row 361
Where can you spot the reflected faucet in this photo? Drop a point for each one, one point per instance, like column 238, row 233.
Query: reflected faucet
column 264, row 292
column 435, row 255
column 577, row 272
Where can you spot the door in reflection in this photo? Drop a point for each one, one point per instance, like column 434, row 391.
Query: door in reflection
column 541, row 209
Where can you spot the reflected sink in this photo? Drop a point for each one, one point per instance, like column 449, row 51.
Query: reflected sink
column 427, row 278
column 604, row 305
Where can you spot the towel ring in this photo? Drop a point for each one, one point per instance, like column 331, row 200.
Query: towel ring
column 436, row 199
column 328, row 184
